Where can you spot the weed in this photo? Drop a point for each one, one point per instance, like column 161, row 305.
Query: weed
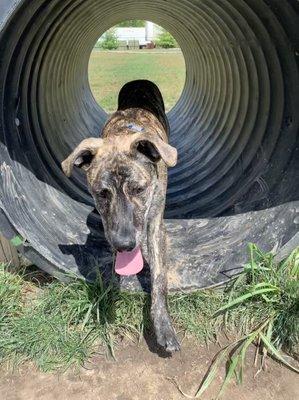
column 263, row 304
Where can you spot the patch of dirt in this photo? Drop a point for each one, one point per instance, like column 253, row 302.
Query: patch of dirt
column 141, row 374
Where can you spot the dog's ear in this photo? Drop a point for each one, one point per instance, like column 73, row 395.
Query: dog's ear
column 155, row 149
column 82, row 155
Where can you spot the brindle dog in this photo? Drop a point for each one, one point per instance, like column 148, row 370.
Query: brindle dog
column 127, row 176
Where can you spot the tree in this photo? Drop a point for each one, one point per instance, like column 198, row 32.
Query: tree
column 109, row 41
column 166, row 40
column 132, row 23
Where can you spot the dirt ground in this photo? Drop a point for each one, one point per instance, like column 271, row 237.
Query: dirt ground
column 141, row 374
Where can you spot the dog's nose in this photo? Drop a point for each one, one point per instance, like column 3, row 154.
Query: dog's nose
column 123, row 243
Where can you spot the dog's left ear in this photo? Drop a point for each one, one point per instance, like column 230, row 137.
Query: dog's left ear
column 155, row 149
column 82, row 155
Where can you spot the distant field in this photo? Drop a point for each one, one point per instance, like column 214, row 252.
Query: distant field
column 109, row 71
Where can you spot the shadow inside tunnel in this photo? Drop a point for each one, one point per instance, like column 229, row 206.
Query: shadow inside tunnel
column 94, row 252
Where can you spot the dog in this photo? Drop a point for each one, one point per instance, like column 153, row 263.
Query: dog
column 126, row 173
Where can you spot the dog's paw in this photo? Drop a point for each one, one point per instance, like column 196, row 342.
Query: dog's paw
column 166, row 337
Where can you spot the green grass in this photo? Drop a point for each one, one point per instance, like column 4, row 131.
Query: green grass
column 57, row 325
column 109, row 71
column 60, row 325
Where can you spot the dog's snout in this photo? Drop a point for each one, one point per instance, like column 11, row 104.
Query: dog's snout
column 123, row 243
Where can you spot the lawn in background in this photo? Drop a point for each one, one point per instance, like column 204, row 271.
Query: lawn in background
column 110, row 70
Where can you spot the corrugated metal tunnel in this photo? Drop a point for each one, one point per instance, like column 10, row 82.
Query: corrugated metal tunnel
column 235, row 125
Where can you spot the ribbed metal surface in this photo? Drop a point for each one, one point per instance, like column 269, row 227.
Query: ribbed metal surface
column 235, row 127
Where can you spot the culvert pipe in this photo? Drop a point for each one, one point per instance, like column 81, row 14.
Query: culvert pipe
column 235, row 125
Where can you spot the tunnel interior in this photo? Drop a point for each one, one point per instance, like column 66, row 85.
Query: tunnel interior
column 235, row 127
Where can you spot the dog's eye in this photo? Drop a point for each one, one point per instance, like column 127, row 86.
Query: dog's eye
column 137, row 190
column 104, row 194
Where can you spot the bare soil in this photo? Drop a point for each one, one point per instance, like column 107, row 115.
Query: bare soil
column 139, row 373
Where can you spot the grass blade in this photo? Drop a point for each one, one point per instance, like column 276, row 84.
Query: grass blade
column 244, row 297
column 87, row 316
column 232, row 369
column 276, row 353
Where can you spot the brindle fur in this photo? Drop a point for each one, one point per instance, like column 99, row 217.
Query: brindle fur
column 127, row 177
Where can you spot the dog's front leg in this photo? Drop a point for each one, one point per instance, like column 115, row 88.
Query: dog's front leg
column 165, row 333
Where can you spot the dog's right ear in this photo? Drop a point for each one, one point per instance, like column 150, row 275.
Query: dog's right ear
column 82, row 155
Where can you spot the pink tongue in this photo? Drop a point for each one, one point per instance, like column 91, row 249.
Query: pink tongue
column 129, row 262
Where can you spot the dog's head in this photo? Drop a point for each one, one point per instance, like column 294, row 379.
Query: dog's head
column 122, row 178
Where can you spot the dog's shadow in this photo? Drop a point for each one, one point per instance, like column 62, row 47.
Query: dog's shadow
column 96, row 251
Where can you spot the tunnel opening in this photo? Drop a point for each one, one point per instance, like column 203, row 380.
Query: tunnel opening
column 144, row 51
column 235, row 127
